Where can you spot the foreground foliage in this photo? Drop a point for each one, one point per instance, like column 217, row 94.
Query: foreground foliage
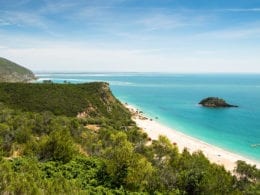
column 46, row 153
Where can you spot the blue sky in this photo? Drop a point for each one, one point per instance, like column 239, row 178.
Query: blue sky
column 132, row 35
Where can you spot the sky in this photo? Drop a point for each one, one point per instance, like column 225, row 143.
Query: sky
column 178, row 36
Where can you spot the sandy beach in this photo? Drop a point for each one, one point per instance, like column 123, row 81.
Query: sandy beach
column 213, row 153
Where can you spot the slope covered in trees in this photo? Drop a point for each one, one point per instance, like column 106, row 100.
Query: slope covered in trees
column 43, row 152
column 89, row 99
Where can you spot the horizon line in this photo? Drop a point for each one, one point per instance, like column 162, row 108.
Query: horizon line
column 136, row 72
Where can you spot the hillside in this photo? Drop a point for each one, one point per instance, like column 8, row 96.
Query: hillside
column 89, row 99
column 47, row 147
column 12, row 72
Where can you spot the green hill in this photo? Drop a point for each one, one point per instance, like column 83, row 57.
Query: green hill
column 87, row 100
column 12, row 72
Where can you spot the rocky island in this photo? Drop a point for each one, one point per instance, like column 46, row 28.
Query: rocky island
column 215, row 102
column 11, row 72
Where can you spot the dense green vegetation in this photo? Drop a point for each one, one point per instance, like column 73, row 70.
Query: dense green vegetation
column 93, row 99
column 44, row 152
column 11, row 72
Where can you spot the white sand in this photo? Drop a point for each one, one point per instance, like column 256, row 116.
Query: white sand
column 213, row 153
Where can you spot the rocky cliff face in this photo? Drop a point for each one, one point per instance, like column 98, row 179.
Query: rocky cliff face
column 12, row 72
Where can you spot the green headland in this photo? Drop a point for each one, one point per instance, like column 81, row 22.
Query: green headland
column 12, row 72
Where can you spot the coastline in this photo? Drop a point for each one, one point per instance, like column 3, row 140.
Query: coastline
column 213, row 153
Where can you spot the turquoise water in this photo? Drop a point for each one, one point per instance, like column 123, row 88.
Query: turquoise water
column 174, row 99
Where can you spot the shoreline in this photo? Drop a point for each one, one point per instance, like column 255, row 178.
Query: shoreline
column 215, row 154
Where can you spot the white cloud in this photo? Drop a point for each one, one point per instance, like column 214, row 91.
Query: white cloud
column 4, row 22
column 160, row 22
column 24, row 19
column 165, row 21
column 85, row 59
column 233, row 33
column 57, row 6
column 257, row 9
column 82, row 58
column 3, row 47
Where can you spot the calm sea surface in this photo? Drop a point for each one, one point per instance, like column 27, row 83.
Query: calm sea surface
column 174, row 99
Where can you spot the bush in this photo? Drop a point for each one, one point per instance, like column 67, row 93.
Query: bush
column 59, row 146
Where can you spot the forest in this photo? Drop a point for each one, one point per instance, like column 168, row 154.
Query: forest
column 46, row 147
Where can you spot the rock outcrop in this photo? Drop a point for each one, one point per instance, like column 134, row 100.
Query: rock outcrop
column 215, row 102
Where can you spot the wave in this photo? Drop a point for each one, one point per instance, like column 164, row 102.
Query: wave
column 43, row 75
column 120, row 83
column 43, row 79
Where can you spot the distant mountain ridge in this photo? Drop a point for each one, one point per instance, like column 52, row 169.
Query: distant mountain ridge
column 12, row 72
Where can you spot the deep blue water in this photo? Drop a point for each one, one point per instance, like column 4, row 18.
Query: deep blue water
column 174, row 99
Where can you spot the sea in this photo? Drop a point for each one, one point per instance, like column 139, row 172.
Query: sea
column 172, row 100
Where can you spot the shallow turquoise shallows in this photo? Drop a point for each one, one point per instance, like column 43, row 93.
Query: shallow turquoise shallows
column 173, row 98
